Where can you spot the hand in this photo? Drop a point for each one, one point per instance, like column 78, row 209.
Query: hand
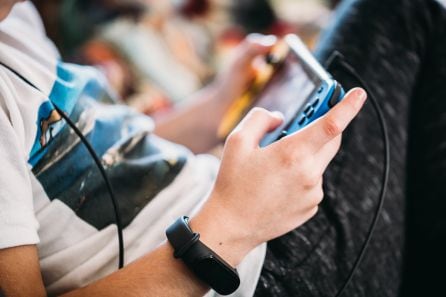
column 195, row 123
column 263, row 193
column 239, row 73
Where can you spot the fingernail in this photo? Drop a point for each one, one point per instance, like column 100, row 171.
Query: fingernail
column 265, row 40
column 278, row 114
column 361, row 94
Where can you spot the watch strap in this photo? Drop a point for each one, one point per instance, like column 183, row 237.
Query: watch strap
column 181, row 236
column 204, row 262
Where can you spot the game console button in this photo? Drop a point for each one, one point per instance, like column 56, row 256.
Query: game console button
column 308, row 109
column 321, row 89
column 282, row 134
column 311, row 113
column 302, row 120
column 316, row 102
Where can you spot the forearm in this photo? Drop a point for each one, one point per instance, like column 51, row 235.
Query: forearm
column 156, row 274
column 160, row 274
column 194, row 123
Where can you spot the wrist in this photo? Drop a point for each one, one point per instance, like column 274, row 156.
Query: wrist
column 222, row 232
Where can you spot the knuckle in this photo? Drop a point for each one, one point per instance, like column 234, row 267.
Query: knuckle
column 235, row 139
column 319, row 196
column 313, row 212
column 258, row 112
column 331, row 127
column 310, row 178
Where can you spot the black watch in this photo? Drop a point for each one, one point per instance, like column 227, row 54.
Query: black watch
column 204, row 262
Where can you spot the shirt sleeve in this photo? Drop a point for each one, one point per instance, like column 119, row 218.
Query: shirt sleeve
column 18, row 224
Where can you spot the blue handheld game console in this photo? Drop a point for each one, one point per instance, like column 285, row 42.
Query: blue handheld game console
column 301, row 89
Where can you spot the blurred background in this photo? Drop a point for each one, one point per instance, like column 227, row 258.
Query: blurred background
column 156, row 53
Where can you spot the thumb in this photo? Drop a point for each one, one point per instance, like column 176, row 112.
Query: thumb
column 255, row 125
column 257, row 44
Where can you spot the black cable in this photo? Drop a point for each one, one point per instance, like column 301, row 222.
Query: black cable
column 337, row 57
column 96, row 160
column 106, row 180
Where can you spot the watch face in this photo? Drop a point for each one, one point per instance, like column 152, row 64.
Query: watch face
column 223, row 279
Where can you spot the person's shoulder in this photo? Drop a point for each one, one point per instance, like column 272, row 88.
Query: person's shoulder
column 25, row 15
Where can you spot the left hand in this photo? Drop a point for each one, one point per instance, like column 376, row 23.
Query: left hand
column 235, row 78
column 195, row 123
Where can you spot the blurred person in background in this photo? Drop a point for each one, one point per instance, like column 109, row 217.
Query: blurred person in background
column 188, row 40
column 119, row 35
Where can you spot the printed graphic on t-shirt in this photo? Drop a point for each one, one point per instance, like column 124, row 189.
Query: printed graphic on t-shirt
column 138, row 163
column 72, row 83
column 49, row 126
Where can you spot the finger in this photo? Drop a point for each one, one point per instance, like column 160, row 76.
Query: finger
column 333, row 123
column 255, row 125
column 314, row 197
column 326, row 154
column 255, row 45
column 312, row 213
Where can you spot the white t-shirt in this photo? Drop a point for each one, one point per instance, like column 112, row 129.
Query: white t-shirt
column 51, row 193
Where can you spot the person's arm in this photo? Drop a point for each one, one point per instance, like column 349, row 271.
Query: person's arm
column 19, row 268
column 195, row 122
column 260, row 194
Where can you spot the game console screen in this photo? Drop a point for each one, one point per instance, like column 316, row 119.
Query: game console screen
column 288, row 89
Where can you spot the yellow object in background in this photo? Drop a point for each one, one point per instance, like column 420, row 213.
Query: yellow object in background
column 264, row 73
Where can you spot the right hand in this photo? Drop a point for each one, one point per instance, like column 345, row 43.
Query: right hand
column 263, row 193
